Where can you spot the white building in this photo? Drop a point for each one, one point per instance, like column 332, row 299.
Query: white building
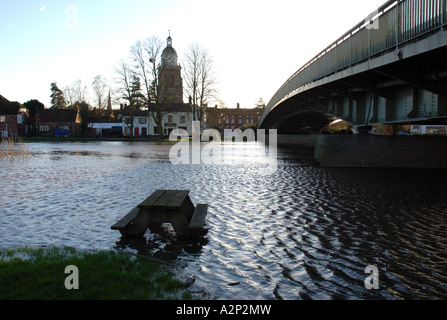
column 177, row 115
column 101, row 127
column 140, row 124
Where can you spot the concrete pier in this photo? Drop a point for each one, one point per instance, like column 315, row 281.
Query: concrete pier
column 369, row 151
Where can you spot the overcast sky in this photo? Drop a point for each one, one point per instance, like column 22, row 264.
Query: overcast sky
column 256, row 45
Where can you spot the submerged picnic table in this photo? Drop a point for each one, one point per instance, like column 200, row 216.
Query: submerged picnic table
column 164, row 206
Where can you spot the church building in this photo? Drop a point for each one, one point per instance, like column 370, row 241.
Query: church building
column 176, row 114
column 170, row 76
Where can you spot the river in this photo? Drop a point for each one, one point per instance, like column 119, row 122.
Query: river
column 303, row 232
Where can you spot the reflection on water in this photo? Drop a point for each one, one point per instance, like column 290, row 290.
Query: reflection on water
column 302, row 233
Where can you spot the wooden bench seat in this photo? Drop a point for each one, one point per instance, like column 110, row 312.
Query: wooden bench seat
column 124, row 223
column 162, row 206
column 197, row 222
column 126, row 220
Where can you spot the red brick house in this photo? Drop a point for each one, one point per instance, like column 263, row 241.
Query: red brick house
column 13, row 117
column 57, row 122
column 232, row 118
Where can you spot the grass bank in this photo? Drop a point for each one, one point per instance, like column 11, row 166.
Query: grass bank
column 40, row 274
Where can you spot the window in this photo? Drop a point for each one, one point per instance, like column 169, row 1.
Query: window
column 182, row 119
column 44, row 128
column 2, row 119
column 170, row 118
column 142, row 120
column 156, row 130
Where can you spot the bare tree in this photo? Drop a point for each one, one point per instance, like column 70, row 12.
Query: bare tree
column 125, row 75
column 199, row 79
column 147, row 58
column 76, row 92
column 99, row 87
column 69, row 95
column 80, row 91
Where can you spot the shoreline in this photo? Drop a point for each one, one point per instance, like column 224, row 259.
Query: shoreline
column 89, row 139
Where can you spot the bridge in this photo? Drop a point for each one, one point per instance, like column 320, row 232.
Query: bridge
column 391, row 68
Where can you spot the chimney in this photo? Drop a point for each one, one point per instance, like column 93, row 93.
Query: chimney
column 238, row 105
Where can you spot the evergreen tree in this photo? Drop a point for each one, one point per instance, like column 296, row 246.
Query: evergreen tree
column 137, row 95
column 57, row 97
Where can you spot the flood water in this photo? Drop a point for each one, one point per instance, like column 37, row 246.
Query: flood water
column 303, row 232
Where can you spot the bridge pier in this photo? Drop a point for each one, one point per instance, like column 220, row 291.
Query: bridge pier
column 370, row 151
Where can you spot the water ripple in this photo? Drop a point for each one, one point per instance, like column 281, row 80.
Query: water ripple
column 302, row 233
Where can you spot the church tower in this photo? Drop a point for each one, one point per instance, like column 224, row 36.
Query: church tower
column 170, row 76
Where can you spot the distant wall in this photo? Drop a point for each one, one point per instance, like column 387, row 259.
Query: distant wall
column 381, row 151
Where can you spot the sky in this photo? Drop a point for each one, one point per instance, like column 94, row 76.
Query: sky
column 256, row 45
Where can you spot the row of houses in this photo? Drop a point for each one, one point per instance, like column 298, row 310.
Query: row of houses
column 180, row 116
column 16, row 120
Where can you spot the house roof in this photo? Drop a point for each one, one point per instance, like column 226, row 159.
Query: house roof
column 57, row 115
column 8, row 107
column 136, row 113
column 3, row 99
column 174, row 107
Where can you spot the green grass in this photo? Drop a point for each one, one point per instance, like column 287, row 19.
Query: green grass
column 39, row 274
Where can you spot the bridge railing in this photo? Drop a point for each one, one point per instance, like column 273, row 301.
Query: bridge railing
column 392, row 24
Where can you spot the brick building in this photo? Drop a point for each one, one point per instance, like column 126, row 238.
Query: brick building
column 63, row 122
column 13, row 117
column 232, row 118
